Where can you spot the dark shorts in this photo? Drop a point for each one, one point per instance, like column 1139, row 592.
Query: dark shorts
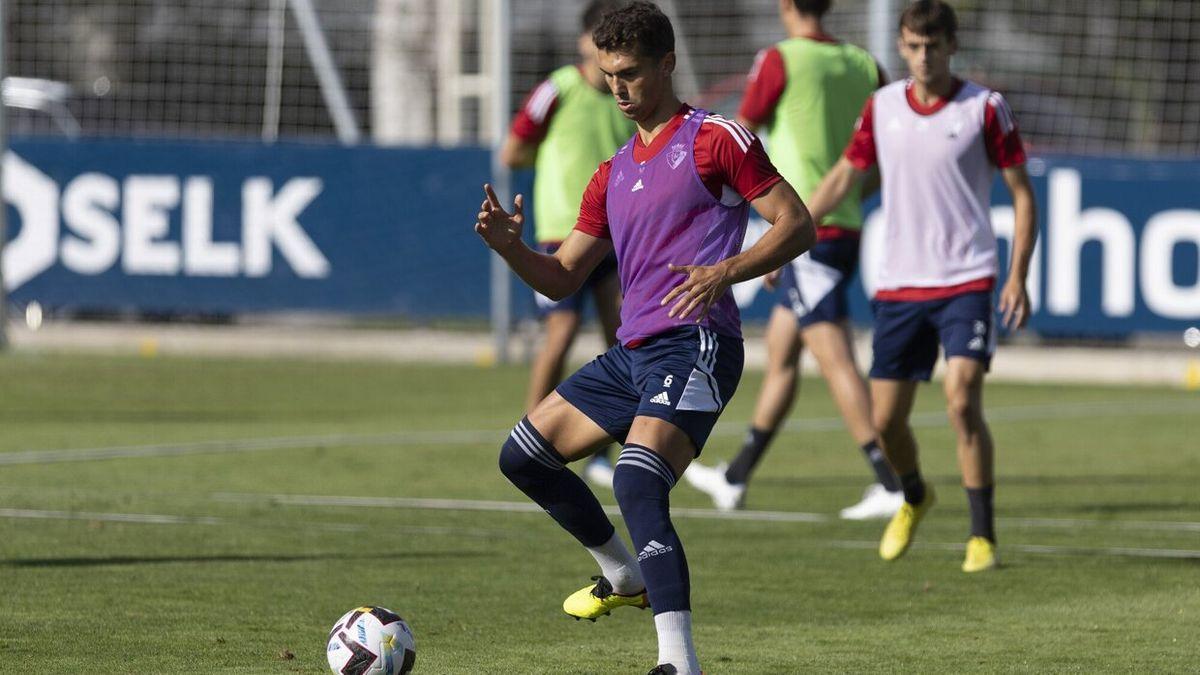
column 815, row 285
column 907, row 334
column 576, row 301
column 685, row 376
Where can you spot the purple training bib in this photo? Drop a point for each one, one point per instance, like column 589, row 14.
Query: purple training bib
column 660, row 213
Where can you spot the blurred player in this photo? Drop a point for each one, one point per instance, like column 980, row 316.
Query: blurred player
column 568, row 125
column 807, row 91
column 937, row 140
column 673, row 204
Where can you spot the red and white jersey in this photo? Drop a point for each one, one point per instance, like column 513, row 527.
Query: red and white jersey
column 533, row 119
column 937, row 165
column 730, row 162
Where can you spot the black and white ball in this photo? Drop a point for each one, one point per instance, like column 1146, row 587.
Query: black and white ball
column 371, row 641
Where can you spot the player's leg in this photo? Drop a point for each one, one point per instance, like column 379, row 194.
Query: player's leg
column 685, row 376
column 966, row 330
column 656, row 453
column 775, row 397
column 534, row 459
column 607, row 294
column 964, row 405
column 905, row 347
column 606, row 291
column 727, row 484
column 831, row 346
column 560, row 325
column 892, row 402
column 559, row 431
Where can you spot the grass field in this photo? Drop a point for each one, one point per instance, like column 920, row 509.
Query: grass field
column 170, row 537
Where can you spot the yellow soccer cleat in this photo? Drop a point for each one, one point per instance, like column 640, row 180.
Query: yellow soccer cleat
column 903, row 526
column 597, row 600
column 981, row 555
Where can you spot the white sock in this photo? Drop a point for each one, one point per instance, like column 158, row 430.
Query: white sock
column 619, row 566
column 675, row 642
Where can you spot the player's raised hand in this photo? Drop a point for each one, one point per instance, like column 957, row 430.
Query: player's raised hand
column 498, row 228
column 703, row 286
column 1014, row 304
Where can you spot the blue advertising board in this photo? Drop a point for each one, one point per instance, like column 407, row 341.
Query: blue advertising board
column 244, row 227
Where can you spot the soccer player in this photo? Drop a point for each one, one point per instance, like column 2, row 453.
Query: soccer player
column 807, row 91
column 568, row 125
column 937, row 140
column 673, row 203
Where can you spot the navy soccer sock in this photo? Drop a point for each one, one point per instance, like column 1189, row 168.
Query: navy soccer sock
column 536, row 468
column 753, row 449
column 914, row 487
column 879, row 464
column 982, row 518
column 642, row 483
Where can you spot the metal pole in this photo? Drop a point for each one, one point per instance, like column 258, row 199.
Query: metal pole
column 882, row 34
column 276, row 18
column 3, row 203
column 501, row 277
column 327, row 73
column 688, row 83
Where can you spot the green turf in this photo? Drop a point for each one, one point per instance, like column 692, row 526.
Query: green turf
column 242, row 581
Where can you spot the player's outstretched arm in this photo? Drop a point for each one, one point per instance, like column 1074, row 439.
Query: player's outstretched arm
column 1014, row 300
column 833, row 188
column 555, row 276
column 791, row 233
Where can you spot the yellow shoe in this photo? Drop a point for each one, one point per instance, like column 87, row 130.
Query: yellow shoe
column 900, row 530
column 597, row 600
column 981, row 555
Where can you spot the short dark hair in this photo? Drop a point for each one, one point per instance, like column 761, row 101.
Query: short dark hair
column 812, row 7
column 639, row 27
column 930, row 17
column 595, row 11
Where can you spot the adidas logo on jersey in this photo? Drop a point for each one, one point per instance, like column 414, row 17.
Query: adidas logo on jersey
column 637, row 186
column 652, row 549
column 661, row 398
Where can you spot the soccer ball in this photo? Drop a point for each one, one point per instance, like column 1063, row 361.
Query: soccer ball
column 371, row 641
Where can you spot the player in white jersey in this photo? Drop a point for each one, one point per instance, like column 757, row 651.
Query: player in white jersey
column 938, row 140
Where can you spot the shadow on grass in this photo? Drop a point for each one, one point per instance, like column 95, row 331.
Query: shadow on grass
column 100, row 561
column 859, row 480
column 1101, row 510
column 134, row 416
column 177, row 416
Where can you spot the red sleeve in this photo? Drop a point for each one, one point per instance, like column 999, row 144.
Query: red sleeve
column 533, row 119
column 593, row 210
column 1000, row 134
column 728, row 154
column 861, row 150
column 764, row 86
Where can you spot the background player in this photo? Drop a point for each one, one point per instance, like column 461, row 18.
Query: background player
column 568, row 125
column 937, row 140
column 807, row 91
column 673, row 204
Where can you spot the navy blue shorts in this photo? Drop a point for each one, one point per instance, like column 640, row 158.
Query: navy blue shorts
column 907, row 334
column 815, row 285
column 685, row 376
column 574, row 302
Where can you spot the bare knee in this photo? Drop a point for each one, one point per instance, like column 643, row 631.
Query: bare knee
column 783, row 370
column 889, row 425
column 964, row 410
